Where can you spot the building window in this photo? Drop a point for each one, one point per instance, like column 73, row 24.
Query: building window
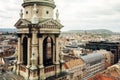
column 26, row 12
column 48, row 51
column 37, row 11
column 47, row 12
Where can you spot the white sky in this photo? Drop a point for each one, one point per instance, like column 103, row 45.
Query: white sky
column 74, row 14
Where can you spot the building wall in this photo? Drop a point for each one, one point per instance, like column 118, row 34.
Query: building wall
column 109, row 46
column 77, row 72
column 43, row 12
column 93, row 69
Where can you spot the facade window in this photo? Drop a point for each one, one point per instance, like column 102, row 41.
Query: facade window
column 37, row 11
column 26, row 12
column 47, row 12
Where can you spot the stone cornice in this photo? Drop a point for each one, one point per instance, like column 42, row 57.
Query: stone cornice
column 22, row 23
column 50, row 24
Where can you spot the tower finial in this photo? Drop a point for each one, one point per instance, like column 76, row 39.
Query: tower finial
column 57, row 15
column 21, row 13
column 35, row 19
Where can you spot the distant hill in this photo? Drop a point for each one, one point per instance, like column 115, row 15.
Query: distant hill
column 93, row 31
column 9, row 30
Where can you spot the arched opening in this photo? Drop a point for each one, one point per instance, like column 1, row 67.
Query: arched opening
column 48, row 51
column 25, row 51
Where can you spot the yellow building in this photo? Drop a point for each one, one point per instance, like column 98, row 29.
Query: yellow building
column 75, row 67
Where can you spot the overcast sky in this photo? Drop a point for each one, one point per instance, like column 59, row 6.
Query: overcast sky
column 74, row 14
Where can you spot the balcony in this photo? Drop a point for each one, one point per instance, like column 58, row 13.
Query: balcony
column 49, row 69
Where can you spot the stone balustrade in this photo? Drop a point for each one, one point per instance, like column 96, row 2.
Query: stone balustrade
column 49, row 69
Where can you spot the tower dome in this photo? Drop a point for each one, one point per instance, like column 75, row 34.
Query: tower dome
column 44, row 9
column 41, row 2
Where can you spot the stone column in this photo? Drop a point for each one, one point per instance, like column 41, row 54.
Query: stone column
column 57, row 58
column 29, row 52
column 41, row 74
column 35, row 48
column 28, row 58
column 19, row 55
column 54, row 53
column 57, row 51
column 19, row 50
column 34, row 57
column 40, row 52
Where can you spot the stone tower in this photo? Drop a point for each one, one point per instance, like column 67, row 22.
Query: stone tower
column 38, row 51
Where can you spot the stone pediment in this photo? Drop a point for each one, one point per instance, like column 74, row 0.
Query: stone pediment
column 50, row 24
column 22, row 23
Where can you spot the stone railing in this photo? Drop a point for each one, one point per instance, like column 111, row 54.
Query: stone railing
column 49, row 69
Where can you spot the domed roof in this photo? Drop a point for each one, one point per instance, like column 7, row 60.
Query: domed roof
column 93, row 58
column 42, row 2
column 50, row 1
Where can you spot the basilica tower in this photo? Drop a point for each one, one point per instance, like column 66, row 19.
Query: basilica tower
column 38, row 42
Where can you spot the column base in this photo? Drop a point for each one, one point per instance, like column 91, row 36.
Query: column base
column 33, row 78
column 18, row 70
column 62, row 61
column 28, row 66
column 27, row 74
column 42, row 76
column 57, row 63
column 57, row 69
column 41, row 66
column 33, row 68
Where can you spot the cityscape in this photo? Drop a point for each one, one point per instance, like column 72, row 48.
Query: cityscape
column 37, row 48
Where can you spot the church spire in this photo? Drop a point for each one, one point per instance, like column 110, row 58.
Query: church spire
column 35, row 19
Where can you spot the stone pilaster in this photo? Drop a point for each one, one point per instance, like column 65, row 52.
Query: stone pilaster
column 19, row 55
column 57, row 51
column 42, row 74
column 19, row 50
column 40, row 52
column 35, row 46
column 33, row 75
column 28, row 58
column 29, row 53
column 34, row 57
column 57, row 57
column 41, row 67
column 54, row 52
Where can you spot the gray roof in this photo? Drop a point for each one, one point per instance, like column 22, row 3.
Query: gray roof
column 93, row 58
